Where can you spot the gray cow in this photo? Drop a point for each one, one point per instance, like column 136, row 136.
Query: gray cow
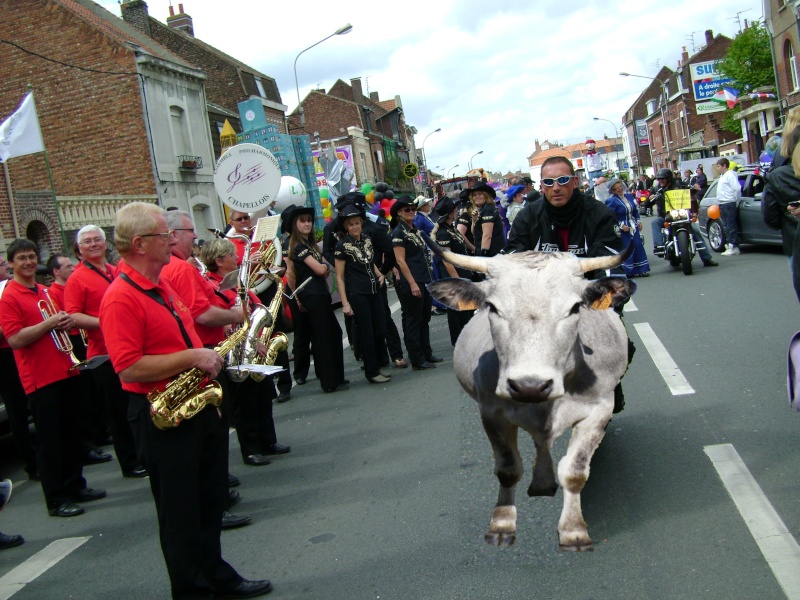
column 543, row 353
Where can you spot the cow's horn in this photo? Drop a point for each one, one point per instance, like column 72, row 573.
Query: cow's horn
column 600, row 263
column 479, row 264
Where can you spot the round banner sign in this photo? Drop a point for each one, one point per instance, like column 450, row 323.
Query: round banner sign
column 247, row 178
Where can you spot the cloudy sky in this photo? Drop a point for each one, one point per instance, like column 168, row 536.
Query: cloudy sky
column 494, row 76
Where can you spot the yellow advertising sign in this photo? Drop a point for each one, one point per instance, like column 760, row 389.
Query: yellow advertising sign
column 675, row 199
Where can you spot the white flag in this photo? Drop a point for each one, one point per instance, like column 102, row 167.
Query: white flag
column 20, row 133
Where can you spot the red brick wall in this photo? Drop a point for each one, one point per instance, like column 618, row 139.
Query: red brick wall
column 92, row 124
column 329, row 115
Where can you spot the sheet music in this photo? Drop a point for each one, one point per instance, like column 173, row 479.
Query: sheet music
column 263, row 369
column 267, row 229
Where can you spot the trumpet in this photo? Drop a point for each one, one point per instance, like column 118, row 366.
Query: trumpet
column 60, row 338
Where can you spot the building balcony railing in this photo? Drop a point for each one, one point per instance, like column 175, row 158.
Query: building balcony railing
column 190, row 163
column 77, row 211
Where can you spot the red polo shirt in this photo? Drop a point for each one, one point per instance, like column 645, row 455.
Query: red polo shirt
column 135, row 325
column 240, row 246
column 56, row 291
column 39, row 363
column 197, row 292
column 3, row 340
column 83, row 294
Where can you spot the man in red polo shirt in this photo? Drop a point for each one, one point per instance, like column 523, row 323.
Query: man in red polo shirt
column 151, row 338
column 83, row 293
column 242, row 224
column 49, row 382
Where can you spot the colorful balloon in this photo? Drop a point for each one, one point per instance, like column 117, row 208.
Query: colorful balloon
column 366, row 188
column 713, row 211
column 323, row 192
column 370, row 196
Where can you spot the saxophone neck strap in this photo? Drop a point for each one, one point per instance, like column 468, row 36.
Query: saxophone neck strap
column 157, row 297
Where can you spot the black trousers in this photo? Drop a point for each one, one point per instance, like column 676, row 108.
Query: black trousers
column 456, row 320
column 109, row 387
column 17, row 408
column 188, row 480
column 93, row 404
column 326, row 341
column 58, row 440
column 301, row 347
column 393, row 343
column 370, row 321
column 284, row 378
column 416, row 315
column 252, row 415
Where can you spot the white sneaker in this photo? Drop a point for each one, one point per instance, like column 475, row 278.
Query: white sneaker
column 731, row 251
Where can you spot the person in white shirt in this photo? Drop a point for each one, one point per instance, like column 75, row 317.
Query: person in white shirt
column 728, row 193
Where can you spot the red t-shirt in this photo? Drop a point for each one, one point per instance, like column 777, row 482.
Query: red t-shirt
column 56, row 291
column 83, row 294
column 240, row 246
column 135, row 325
column 196, row 292
column 40, row 363
column 3, row 340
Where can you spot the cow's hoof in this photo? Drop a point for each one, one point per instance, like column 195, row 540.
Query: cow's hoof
column 576, row 548
column 500, row 540
column 542, row 490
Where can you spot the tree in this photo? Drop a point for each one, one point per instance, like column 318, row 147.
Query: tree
column 748, row 63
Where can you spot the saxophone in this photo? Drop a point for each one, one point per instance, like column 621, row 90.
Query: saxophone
column 275, row 343
column 183, row 397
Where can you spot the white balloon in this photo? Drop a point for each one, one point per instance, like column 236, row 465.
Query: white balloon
column 292, row 191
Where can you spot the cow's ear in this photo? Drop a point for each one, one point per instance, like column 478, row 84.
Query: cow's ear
column 609, row 292
column 458, row 294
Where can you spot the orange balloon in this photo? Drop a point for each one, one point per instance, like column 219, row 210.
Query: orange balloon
column 713, row 211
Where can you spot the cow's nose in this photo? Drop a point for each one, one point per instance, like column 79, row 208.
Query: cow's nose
column 530, row 389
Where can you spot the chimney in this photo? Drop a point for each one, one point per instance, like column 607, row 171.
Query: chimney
column 181, row 21
column 536, row 146
column 358, row 94
column 684, row 57
column 709, row 37
column 374, row 97
column 135, row 13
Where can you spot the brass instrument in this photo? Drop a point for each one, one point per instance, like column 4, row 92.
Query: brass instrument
column 183, row 398
column 84, row 337
column 274, row 343
column 260, row 278
column 60, row 338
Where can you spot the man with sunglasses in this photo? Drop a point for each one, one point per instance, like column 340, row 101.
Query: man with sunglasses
column 564, row 220
column 242, row 225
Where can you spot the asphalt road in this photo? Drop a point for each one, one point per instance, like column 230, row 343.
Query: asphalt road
column 389, row 488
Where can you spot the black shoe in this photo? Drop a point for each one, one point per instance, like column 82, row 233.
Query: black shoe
column 234, row 498
column 710, row 263
column 10, row 541
column 423, row 366
column 246, row 589
column 339, row 388
column 300, row 380
column 136, row 473
column 659, row 251
column 256, row 460
column 434, row 359
column 67, row 509
column 96, row 456
column 278, row 449
column 231, row 521
column 87, row 495
column 284, row 397
column 233, row 481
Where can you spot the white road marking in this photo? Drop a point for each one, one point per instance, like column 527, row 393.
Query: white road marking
column 630, row 306
column 666, row 366
column 777, row 545
column 18, row 577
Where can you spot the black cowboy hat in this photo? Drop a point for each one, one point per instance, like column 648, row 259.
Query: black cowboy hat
column 483, row 187
column 356, row 198
column 349, row 210
column 402, row 202
column 290, row 213
column 444, row 208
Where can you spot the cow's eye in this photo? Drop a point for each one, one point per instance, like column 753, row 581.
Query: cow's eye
column 575, row 309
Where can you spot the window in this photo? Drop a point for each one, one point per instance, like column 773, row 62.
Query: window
column 260, row 87
column 790, row 66
column 180, row 133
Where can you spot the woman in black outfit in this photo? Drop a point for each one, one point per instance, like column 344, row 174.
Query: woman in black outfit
column 413, row 262
column 359, row 282
column 314, row 300
column 488, row 231
column 449, row 238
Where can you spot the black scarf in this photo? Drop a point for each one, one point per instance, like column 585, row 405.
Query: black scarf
column 562, row 216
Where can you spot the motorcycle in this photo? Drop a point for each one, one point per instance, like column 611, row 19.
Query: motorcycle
column 679, row 247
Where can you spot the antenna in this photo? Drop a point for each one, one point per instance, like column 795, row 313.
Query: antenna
column 690, row 38
column 737, row 19
column 656, row 64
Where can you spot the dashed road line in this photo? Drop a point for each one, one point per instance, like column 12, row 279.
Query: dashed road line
column 672, row 375
column 18, row 577
column 779, row 548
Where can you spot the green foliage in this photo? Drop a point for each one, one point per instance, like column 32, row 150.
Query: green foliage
column 748, row 63
column 394, row 170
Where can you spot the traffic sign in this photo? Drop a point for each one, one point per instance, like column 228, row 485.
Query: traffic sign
column 410, row 170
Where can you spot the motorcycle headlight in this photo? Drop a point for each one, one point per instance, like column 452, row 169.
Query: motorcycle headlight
column 678, row 214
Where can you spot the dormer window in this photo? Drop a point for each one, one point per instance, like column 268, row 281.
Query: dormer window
column 260, row 87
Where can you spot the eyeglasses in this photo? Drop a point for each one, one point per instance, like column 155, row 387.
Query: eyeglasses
column 183, row 229
column 164, row 236
column 97, row 240
column 563, row 180
column 240, row 219
column 408, row 209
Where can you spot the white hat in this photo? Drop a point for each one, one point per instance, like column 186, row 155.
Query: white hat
column 422, row 201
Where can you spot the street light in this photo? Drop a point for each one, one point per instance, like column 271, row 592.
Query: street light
column 448, row 171
column 425, row 158
column 664, row 121
column 616, row 132
column 473, row 156
column 341, row 31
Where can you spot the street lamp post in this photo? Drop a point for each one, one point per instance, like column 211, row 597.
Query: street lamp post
column 473, row 156
column 341, row 31
column 425, row 158
column 664, row 121
column 449, row 170
column 616, row 132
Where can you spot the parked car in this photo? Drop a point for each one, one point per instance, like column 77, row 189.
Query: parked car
column 752, row 229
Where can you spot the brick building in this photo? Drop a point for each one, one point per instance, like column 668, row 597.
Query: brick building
column 781, row 20
column 610, row 151
column 639, row 141
column 117, row 112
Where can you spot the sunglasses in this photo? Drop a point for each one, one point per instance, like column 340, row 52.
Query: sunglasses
column 563, row 180
column 240, row 219
column 408, row 209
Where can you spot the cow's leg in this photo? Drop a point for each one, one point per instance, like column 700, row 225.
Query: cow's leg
column 543, row 482
column 573, row 471
column 508, row 468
